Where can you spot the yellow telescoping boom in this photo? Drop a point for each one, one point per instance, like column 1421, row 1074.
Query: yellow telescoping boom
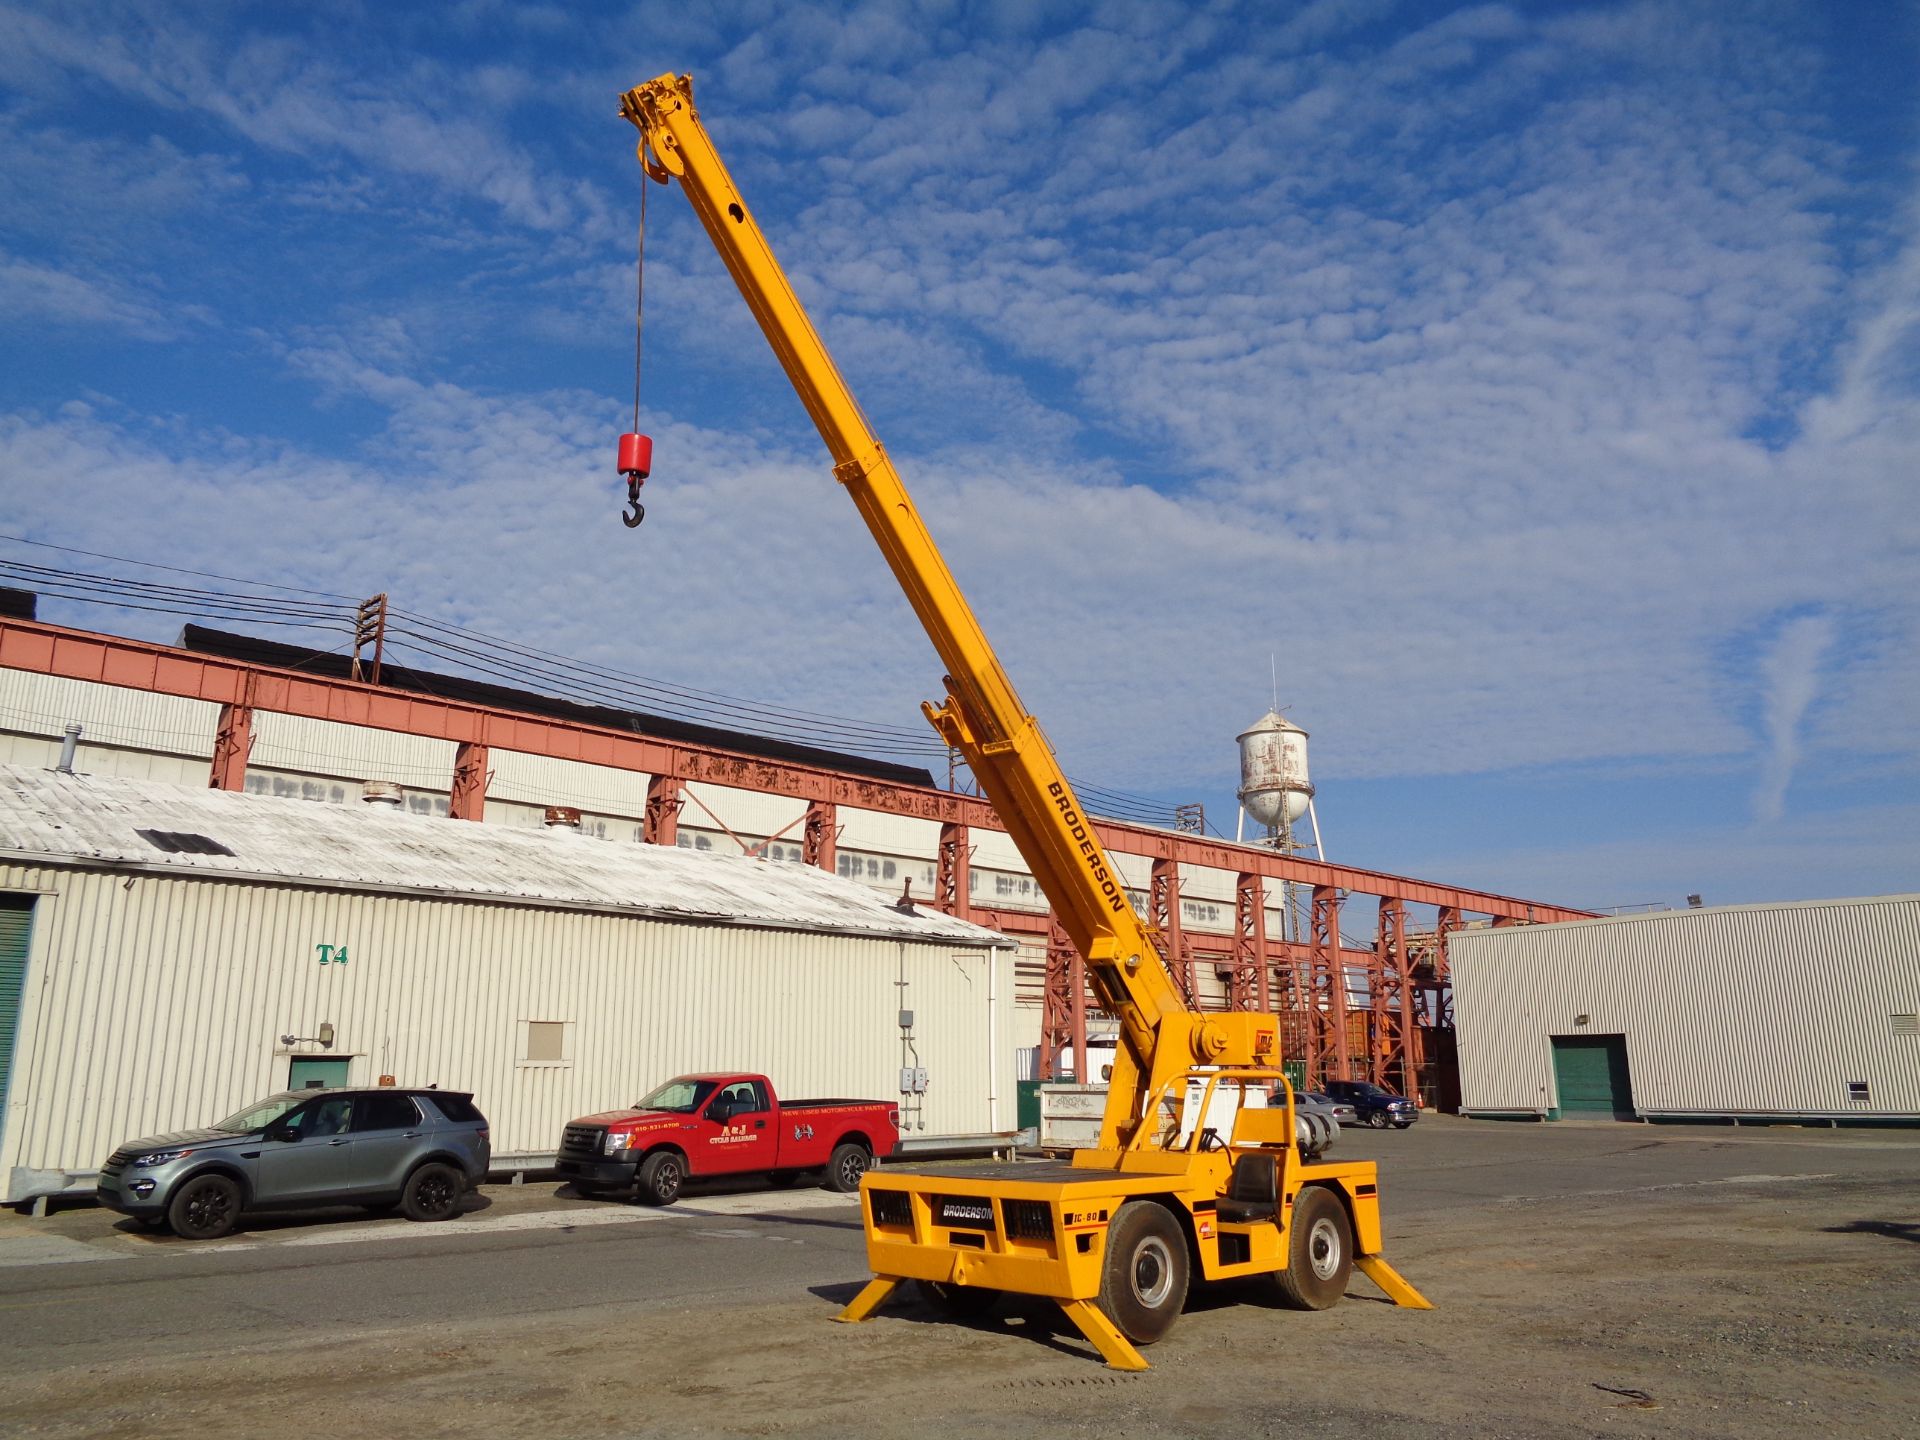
column 1114, row 1235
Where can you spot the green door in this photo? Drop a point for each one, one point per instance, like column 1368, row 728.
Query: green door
column 16, row 925
column 1590, row 1072
column 307, row 1071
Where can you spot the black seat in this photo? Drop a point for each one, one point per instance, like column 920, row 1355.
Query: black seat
column 1253, row 1191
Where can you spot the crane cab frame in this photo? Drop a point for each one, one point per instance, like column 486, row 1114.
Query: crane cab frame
column 1115, row 1235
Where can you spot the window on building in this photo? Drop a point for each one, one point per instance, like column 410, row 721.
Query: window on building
column 546, row 1041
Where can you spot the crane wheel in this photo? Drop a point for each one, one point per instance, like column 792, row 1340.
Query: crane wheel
column 1143, row 1285
column 1319, row 1252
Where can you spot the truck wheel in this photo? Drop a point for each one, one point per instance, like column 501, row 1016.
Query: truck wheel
column 661, row 1175
column 962, row 1302
column 1378, row 1120
column 205, row 1208
column 432, row 1193
column 1319, row 1252
column 1143, row 1284
column 848, row 1163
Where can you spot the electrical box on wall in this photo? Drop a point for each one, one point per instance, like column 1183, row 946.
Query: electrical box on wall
column 913, row 1080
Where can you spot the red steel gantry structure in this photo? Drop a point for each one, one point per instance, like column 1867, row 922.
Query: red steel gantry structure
column 1345, row 1012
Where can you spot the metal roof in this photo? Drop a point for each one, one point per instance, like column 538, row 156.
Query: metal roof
column 48, row 817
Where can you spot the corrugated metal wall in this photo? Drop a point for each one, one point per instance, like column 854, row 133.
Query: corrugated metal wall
column 158, row 1004
column 1758, row 1010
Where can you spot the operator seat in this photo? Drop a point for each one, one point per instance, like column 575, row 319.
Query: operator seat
column 1253, row 1190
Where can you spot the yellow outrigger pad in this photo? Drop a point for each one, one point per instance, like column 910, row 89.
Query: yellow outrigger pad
column 870, row 1299
column 1389, row 1279
column 1093, row 1323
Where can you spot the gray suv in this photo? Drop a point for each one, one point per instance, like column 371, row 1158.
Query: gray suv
column 419, row 1149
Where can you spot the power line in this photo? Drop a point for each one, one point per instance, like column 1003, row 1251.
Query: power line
column 443, row 643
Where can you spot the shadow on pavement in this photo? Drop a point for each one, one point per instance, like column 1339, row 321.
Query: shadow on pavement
column 1892, row 1229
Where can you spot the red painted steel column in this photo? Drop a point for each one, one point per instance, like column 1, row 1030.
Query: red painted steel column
column 1249, row 989
column 1450, row 920
column 232, row 743
column 819, row 844
column 1170, row 935
column 953, row 872
column 467, row 800
column 1330, row 971
column 1063, row 1018
column 662, row 823
column 1393, row 953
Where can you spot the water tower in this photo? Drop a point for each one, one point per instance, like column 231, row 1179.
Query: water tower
column 1276, row 792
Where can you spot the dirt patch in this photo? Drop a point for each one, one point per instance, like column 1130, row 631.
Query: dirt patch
column 1748, row 1311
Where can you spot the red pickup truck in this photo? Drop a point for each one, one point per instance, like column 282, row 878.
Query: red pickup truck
column 698, row 1126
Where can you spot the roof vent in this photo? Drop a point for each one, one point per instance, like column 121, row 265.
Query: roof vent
column 563, row 817
column 383, row 794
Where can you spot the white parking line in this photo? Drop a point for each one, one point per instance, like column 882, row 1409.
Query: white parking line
column 704, row 1208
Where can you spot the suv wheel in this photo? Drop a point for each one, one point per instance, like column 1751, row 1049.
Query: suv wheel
column 432, row 1193
column 205, row 1208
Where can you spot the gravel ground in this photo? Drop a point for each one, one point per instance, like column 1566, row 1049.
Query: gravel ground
column 1726, row 1286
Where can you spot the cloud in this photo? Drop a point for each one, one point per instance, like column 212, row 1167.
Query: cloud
column 1789, row 676
column 33, row 295
column 407, row 118
column 1506, row 372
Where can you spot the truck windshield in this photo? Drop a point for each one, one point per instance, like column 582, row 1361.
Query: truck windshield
column 681, row 1097
column 262, row 1113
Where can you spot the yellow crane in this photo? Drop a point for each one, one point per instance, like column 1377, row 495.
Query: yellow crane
column 1115, row 1235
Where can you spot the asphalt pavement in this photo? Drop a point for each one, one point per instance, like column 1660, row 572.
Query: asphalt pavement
column 83, row 1284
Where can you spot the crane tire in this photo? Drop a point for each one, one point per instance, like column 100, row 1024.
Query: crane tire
column 1319, row 1252
column 1143, row 1282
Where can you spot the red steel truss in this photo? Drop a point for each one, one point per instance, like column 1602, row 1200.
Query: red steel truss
column 1345, row 1012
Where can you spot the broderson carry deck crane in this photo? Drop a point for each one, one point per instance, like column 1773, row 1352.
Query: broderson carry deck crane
column 1114, row 1235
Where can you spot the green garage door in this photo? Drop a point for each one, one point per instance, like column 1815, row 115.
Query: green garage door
column 16, row 917
column 1590, row 1072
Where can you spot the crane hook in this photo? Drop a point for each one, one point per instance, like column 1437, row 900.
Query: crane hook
column 636, row 461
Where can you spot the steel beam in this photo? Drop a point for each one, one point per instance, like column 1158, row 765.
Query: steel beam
column 953, row 872
column 31, row 646
column 1169, row 934
column 661, row 824
column 819, row 842
column 468, row 798
column 232, row 744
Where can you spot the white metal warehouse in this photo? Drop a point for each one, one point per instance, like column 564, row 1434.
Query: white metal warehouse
column 1808, row 1010
column 172, row 954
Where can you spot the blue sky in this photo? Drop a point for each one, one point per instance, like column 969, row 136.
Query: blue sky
column 1539, row 386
